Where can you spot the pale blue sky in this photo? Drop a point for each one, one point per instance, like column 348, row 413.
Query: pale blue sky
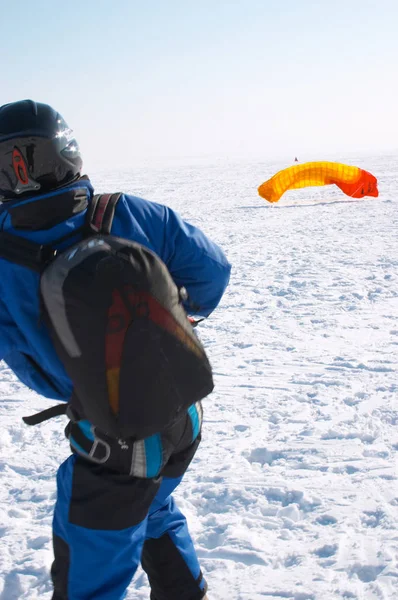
column 181, row 78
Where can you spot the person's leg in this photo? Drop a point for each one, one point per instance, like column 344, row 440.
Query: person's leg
column 100, row 516
column 169, row 557
column 99, row 529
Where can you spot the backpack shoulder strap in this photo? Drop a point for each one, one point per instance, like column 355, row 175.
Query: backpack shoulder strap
column 36, row 256
column 101, row 211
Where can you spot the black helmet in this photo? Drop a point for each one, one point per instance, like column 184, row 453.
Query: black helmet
column 37, row 150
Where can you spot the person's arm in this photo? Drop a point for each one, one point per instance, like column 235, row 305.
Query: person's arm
column 14, row 351
column 196, row 263
column 193, row 260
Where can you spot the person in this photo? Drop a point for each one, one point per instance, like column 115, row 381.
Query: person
column 106, row 520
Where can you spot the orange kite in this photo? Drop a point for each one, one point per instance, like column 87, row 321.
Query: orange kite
column 353, row 181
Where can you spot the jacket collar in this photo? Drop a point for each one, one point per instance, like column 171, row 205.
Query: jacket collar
column 46, row 211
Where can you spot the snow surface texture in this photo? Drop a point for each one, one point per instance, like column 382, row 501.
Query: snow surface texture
column 293, row 493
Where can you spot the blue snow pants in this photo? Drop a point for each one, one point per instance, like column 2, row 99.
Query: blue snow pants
column 107, row 522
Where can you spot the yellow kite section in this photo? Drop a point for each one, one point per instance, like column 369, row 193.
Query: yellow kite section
column 353, row 181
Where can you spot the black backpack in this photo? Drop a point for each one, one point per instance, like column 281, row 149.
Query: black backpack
column 119, row 327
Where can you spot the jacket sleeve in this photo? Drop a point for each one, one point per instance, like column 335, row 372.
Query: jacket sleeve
column 196, row 263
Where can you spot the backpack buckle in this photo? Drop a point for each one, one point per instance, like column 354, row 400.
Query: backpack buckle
column 46, row 254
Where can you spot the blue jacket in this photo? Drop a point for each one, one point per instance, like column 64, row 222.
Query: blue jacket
column 192, row 259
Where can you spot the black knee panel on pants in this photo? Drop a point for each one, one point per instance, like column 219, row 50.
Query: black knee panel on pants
column 60, row 569
column 105, row 499
column 168, row 573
